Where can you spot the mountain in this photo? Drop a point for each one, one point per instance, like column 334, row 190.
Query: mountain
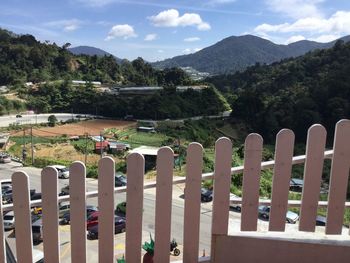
column 91, row 51
column 236, row 53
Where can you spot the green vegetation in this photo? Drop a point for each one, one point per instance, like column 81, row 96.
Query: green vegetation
column 294, row 93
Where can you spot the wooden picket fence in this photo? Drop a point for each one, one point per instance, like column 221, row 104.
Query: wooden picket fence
column 225, row 248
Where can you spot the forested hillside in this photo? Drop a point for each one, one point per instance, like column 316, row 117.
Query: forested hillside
column 295, row 93
column 24, row 59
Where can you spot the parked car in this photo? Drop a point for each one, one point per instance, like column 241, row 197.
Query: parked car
column 92, row 220
column 121, row 208
column 63, row 209
column 37, row 231
column 9, row 220
column 264, row 212
column 119, row 227
column 5, row 158
column 296, row 184
column 321, row 221
column 65, row 190
column 63, row 172
column 89, row 210
column 237, row 207
column 120, row 180
column 206, row 195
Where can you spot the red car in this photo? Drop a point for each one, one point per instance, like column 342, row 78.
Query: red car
column 92, row 220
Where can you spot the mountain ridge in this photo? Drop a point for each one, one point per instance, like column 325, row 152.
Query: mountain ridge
column 236, row 53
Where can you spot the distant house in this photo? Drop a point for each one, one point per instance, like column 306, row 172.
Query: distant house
column 101, row 146
column 97, row 138
column 3, row 89
column 115, row 147
column 146, row 129
column 83, row 82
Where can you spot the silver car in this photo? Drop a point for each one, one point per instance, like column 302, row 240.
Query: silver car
column 291, row 217
column 9, row 220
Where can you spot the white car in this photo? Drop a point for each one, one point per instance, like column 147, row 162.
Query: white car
column 63, row 172
column 9, row 220
column 233, row 205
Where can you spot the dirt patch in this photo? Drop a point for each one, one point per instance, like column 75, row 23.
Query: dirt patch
column 91, row 127
column 64, row 151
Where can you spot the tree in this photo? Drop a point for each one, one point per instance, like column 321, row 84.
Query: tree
column 52, row 120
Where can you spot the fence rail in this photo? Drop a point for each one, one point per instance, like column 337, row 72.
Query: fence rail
column 251, row 170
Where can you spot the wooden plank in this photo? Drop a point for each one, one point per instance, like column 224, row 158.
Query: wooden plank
column 106, row 184
column 339, row 178
column 21, row 208
column 222, row 183
column 316, row 141
column 49, row 177
column 194, row 164
column 134, row 204
column 251, row 181
column 77, row 186
column 165, row 163
column 2, row 234
column 277, row 250
column 281, row 179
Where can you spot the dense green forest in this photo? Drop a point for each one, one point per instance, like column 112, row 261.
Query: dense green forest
column 63, row 97
column 293, row 93
column 24, row 59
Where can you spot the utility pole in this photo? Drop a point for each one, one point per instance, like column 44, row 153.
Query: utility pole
column 101, row 149
column 31, row 142
column 86, row 143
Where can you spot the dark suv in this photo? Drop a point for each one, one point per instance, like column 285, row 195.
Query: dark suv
column 119, row 227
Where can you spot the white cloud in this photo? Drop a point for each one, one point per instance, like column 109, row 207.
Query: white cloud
column 189, row 50
column 295, row 8
column 172, row 18
column 150, row 37
column 66, row 25
column 293, row 39
column 337, row 24
column 192, row 39
column 325, row 38
column 219, row 2
column 160, row 51
column 125, row 31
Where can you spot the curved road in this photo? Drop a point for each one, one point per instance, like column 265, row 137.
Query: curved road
column 5, row 121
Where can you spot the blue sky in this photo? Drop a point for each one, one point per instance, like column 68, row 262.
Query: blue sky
column 157, row 29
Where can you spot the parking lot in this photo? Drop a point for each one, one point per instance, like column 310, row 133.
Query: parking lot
column 148, row 217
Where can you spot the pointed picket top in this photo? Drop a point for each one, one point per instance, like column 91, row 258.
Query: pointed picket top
column 313, row 168
column 106, row 185
column 49, row 190
column 165, row 164
column 77, row 189
column 21, row 208
column 339, row 178
column 281, row 179
column 194, row 166
column 134, row 203
column 251, row 181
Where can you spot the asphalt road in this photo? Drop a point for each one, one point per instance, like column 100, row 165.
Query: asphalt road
column 5, row 121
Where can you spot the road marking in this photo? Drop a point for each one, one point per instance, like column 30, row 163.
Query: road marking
column 65, row 251
column 65, row 228
column 119, row 246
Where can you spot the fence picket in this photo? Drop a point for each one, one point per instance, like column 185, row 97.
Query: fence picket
column 165, row 163
column 251, row 180
column 106, row 184
column 49, row 191
column 21, row 208
column 281, row 178
column 77, row 186
column 221, row 195
column 194, row 164
column 315, row 146
column 339, row 178
column 134, row 203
